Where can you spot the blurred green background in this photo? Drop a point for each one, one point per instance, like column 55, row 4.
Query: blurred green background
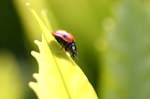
column 112, row 36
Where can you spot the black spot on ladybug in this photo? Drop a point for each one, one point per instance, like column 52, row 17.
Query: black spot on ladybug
column 65, row 36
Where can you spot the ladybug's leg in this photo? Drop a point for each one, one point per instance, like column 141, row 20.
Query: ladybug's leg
column 61, row 42
column 67, row 45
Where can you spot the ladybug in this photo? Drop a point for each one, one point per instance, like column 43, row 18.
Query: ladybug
column 66, row 40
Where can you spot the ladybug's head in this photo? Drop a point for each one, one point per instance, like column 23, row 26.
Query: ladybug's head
column 73, row 50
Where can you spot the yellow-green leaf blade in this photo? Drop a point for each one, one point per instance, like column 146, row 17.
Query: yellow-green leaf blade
column 59, row 77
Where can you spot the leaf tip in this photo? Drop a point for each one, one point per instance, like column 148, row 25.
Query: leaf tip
column 33, row 86
column 35, row 54
column 35, row 76
column 37, row 42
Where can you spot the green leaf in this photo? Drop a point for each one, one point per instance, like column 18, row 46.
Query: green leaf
column 59, row 77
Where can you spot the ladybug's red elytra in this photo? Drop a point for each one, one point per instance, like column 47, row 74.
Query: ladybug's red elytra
column 66, row 40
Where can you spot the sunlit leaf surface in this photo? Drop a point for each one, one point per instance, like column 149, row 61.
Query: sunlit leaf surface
column 59, row 77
